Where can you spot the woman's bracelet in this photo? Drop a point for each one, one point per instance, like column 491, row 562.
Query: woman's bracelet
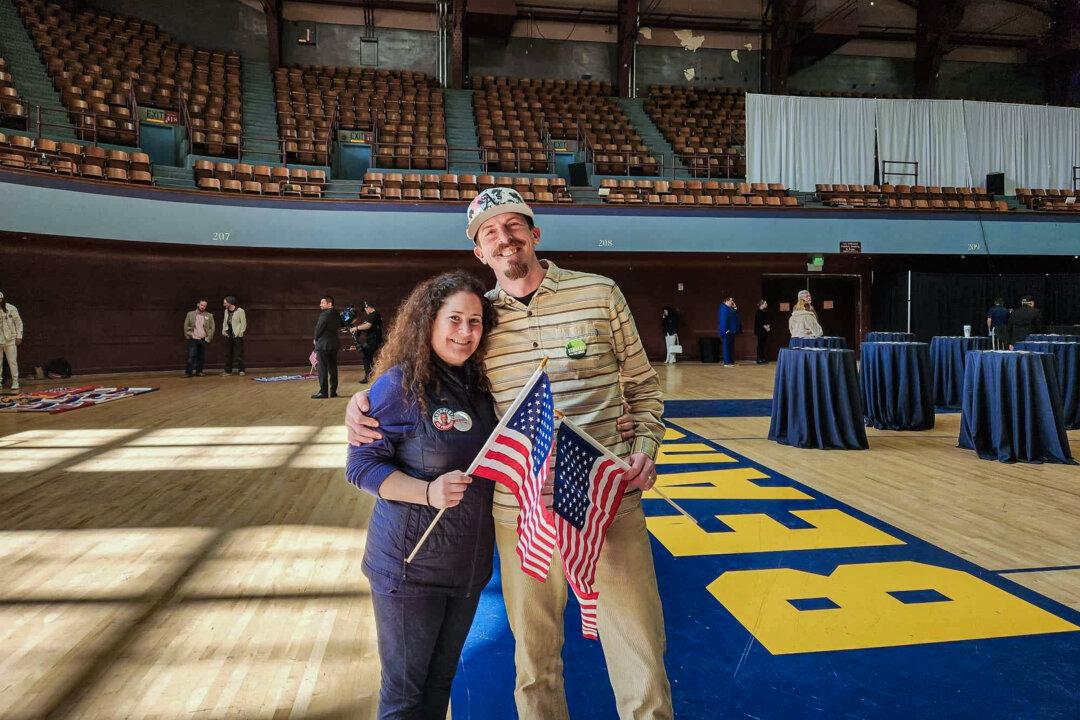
column 427, row 497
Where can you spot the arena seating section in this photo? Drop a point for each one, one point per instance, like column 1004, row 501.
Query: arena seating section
column 910, row 197
column 104, row 67
column 403, row 110
column 99, row 62
column 259, row 179
column 516, row 116
column 12, row 108
column 708, row 193
column 65, row 158
column 703, row 126
column 1049, row 199
column 432, row 186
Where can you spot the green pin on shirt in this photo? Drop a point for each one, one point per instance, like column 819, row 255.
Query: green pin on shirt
column 576, row 348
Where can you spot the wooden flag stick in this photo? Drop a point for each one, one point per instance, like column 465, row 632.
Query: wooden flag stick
column 476, row 460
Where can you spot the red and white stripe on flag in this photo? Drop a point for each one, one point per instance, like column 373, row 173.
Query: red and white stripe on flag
column 580, row 543
column 516, row 455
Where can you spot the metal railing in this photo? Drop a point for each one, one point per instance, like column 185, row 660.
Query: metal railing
column 885, row 172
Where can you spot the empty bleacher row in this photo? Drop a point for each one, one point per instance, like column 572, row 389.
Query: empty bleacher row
column 1049, row 199
column 65, row 158
column 909, row 197
column 705, row 127
column 259, row 179
column 402, row 109
column 101, row 63
column 447, row 186
column 515, row 117
column 695, row 192
column 13, row 110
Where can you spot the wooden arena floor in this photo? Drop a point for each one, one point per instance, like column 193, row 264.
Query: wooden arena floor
column 195, row 552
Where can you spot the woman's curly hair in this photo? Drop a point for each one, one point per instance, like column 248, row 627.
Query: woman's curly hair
column 408, row 344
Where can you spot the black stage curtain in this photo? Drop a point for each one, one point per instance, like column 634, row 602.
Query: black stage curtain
column 942, row 303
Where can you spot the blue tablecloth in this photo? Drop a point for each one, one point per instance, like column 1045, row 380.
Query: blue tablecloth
column 896, row 386
column 947, row 359
column 889, row 337
column 816, row 400
column 837, row 343
column 1012, row 408
column 1067, row 359
column 1044, row 337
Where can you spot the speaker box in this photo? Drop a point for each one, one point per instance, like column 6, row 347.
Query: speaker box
column 579, row 174
column 709, row 349
column 995, row 183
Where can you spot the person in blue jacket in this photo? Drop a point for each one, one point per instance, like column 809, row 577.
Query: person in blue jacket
column 435, row 413
column 730, row 326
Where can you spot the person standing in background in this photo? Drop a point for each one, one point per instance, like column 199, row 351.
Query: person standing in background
column 11, row 335
column 233, row 327
column 199, row 331
column 372, row 326
column 997, row 324
column 762, row 328
column 730, row 326
column 803, row 322
column 327, row 345
column 669, row 319
column 1024, row 320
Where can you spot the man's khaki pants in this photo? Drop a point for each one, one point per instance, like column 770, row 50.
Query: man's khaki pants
column 629, row 620
column 11, row 355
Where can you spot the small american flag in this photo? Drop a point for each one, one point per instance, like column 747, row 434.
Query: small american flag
column 516, row 455
column 588, row 490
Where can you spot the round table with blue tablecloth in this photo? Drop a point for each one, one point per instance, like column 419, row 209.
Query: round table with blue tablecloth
column 1067, row 361
column 1011, row 408
column 836, row 343
column 816, row 400
column 897, row 386
column 889, row 337
column 1051, row 337
column 947, row 355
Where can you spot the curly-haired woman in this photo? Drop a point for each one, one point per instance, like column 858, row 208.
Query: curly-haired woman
column 435, row 413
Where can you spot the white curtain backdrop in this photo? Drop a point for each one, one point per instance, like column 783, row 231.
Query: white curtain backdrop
column 804, row 141
column 1034, row 145
column 929, row 132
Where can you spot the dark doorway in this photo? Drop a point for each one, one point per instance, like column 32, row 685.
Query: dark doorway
column 836, row 299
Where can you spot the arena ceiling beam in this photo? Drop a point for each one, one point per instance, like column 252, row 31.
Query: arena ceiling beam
column 935, row 24
column 274, row 22
column 1058, row 51
column 626, row 44
column 459, row 45
column 782, row 17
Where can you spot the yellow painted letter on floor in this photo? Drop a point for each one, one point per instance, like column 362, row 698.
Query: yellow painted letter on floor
column 730, row 484
column 868, row 616
column 755, row 533
column 690, row 453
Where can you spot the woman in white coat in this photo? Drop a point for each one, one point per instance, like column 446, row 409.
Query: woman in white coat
column 803, row 322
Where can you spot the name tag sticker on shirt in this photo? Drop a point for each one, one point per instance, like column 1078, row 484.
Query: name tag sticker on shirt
column 443, row 419
column 576, row 348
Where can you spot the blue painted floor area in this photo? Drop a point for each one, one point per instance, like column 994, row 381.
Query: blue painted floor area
column 720, row 669
column 717, row 408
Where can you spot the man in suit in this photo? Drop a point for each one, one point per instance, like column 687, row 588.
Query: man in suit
column 729, row 326
column 1024, row 320
column 327, row 345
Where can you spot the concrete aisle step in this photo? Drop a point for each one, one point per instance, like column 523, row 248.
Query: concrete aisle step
column 31, row 80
